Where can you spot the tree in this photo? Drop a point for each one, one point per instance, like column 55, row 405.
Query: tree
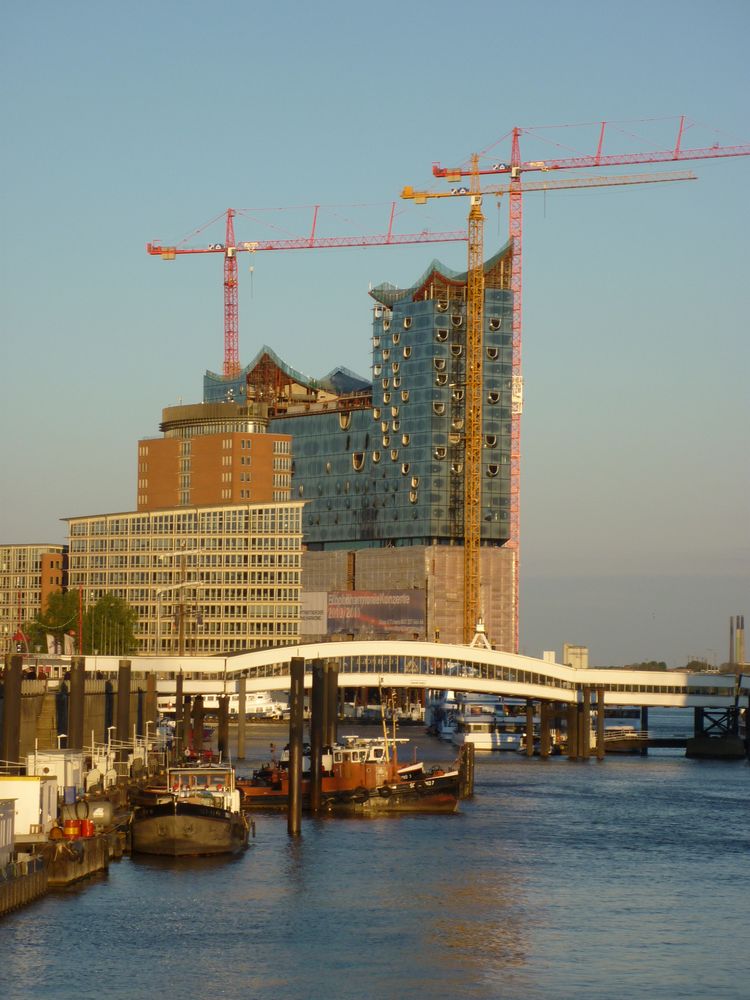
column 109, row 627
column 58, row 618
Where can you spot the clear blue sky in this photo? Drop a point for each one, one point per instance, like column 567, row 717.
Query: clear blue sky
column 129, row 122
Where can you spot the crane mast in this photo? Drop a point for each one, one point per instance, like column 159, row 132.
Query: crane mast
column 515, row 213
column 231, row 303
column 473, row 418
column 474, row 364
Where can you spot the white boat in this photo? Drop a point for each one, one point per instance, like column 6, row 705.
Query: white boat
column 490, row 732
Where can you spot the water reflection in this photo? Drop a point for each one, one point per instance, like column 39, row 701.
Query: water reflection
column 554, row 880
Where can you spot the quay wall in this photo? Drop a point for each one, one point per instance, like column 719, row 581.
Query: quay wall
column 45, row 706
column 22, row 882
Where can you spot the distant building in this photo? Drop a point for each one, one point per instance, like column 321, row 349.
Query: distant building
column 213, row 453
column 575, row 656
column 28, row 575
column 204, row 580
column 380, row 464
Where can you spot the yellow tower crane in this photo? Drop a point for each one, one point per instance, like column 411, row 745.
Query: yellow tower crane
column 472, row 610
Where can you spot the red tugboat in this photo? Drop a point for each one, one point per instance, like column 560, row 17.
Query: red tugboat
column 360, row 776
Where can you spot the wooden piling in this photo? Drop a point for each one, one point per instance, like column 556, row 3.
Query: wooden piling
column 318, row 717
column 296, row 724
column 151, row 713
column 123, row 732
column 223, row 735
column 11, row 745
column 330, row 732
column 466, row 756
column 198, row 716
column 241, row 717
column 76, row 696
column 186, row 722
column 179, row 723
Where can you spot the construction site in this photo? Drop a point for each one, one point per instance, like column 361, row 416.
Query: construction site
column 408, row 479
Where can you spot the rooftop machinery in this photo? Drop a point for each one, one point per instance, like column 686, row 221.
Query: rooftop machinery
column 230, row 248
column 515, row 169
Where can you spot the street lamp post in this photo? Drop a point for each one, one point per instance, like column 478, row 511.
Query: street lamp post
column 183, row 553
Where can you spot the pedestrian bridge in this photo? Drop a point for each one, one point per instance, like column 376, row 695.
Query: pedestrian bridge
column 439, row 666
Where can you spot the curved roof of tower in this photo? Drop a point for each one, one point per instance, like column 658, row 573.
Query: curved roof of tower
column 340, row 380
column 343, row 381
column 387, row 294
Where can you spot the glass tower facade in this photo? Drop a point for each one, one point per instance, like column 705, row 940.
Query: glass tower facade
column 387, row 468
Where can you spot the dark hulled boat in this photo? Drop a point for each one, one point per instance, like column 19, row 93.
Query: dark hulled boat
column 196, row 813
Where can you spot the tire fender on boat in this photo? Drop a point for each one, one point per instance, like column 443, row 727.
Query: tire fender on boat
column 384, row 792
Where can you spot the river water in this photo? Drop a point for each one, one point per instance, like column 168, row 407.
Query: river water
column 620, row 879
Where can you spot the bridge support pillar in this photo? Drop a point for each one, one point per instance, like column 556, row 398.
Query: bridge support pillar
column 573, row 731
column 241, row 717
column 584, row 724
column 545, row 712
column 600, row 723
column 529, row 727
column 644, row 728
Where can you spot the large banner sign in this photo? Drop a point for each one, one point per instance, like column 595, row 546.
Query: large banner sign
column 369, row 611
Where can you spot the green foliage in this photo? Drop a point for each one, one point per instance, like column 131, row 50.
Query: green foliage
column 58, row 618
column 646, row 665
column 108, row 625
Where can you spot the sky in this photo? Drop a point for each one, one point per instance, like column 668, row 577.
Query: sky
column 126, row 123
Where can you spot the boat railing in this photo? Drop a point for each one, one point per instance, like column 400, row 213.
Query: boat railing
column 625, row 735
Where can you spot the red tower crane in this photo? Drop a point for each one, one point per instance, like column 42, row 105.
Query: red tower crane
column 230, row 248
column 516, row 168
